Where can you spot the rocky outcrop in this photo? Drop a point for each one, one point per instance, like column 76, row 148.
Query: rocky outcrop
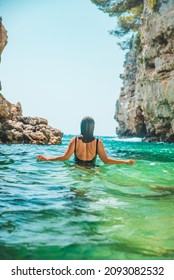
column 14, row 128
column 3, row 37
column 3, row 40
column 146, row 104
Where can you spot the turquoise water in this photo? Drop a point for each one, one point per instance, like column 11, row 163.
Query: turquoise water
column 53, row 210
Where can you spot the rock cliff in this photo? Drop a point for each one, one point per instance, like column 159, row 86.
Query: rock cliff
column 14, row 128
column 145, row 107
column 3, row 40
column 3, row 37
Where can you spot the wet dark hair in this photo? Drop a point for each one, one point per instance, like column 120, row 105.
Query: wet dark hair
column 87, row 129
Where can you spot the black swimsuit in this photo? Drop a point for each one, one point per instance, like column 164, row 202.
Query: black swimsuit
column 85, row 162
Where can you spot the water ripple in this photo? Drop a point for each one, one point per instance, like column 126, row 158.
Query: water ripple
column 111, row 212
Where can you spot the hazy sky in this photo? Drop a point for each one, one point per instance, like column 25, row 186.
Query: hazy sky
column 61, row 63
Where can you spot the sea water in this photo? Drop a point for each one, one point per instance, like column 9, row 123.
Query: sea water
column 54, row 210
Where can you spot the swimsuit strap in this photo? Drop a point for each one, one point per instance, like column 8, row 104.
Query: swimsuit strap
column 75, row 145
column 96, row 146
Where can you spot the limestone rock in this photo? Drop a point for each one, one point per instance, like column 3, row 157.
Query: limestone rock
column 3, row 37
column 146, row 104
column 14, row 128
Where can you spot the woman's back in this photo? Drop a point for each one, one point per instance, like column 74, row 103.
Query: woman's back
column 85, row 153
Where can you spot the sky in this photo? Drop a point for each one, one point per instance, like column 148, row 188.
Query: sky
column 61, row 63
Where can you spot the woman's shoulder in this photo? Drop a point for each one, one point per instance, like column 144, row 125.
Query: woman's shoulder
column 73, row 139
column 99, row 140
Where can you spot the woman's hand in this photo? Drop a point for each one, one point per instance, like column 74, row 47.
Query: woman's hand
column 39, row 157
column 130, row 161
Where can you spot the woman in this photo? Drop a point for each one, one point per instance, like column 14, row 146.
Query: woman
column 86, row 147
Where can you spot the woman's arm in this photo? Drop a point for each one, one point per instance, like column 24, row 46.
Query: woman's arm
column 64, row 157
column 103, row 156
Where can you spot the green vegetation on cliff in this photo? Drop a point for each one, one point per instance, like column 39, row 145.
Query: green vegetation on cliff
column 152, row 4
column 128, row 14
